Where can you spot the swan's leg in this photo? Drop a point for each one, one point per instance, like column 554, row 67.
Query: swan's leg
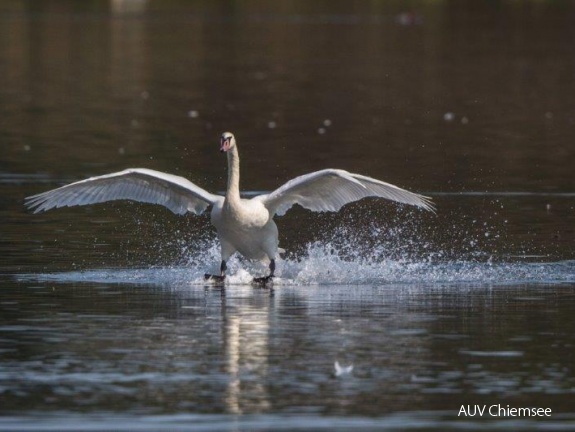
column 270, row 248
column 272, row 268
column 222, row 275
column 227, row 251
column 264, row 280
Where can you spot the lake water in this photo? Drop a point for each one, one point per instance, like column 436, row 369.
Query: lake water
column 105, row 320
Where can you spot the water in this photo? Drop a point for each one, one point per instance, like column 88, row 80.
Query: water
column 105, row 320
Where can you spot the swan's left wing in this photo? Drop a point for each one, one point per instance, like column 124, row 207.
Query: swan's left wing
column 331, row 189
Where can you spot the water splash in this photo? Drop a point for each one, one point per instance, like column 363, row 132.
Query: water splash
column 342, row 370
column 327, row 263
column 406, row 249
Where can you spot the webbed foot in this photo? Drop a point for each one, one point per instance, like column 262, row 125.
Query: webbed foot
column 263, row 281
column 218, row 278
column 215, row 278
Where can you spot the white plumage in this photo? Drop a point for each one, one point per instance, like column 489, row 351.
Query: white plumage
column 243, row 225
column 137, row 184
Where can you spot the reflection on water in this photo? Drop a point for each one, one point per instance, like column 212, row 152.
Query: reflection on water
column 247, row 355
column 104, row 318
column 247, row 351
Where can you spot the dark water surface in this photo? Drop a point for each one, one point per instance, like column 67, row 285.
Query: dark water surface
column 105, row 322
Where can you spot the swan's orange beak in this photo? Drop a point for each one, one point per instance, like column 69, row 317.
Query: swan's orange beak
column 225, row 144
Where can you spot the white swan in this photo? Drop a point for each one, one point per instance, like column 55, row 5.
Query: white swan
column 243, row 225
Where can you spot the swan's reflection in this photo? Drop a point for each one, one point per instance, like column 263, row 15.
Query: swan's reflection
column 246, row 347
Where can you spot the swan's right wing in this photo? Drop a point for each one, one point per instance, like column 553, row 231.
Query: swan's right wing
column 331, row 189
column 138, row 184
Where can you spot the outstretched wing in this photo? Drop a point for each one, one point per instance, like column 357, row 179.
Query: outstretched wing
column 137, row 184
column 331, row 189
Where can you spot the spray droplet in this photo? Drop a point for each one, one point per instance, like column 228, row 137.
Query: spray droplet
column 342, row 370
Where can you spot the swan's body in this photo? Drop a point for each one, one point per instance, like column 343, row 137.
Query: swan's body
column 243, row 225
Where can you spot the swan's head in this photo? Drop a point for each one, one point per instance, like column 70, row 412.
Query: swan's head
column 227, row 142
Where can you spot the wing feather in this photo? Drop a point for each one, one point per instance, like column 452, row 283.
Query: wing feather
column 138, row 184
column 331, row 189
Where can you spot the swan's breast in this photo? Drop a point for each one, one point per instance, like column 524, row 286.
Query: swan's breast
column 246, row 226
column 243, row 215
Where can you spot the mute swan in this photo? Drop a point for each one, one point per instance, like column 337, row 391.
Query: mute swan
column 243, row 225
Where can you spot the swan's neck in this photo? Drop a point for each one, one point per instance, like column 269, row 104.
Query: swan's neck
column 233, row 192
